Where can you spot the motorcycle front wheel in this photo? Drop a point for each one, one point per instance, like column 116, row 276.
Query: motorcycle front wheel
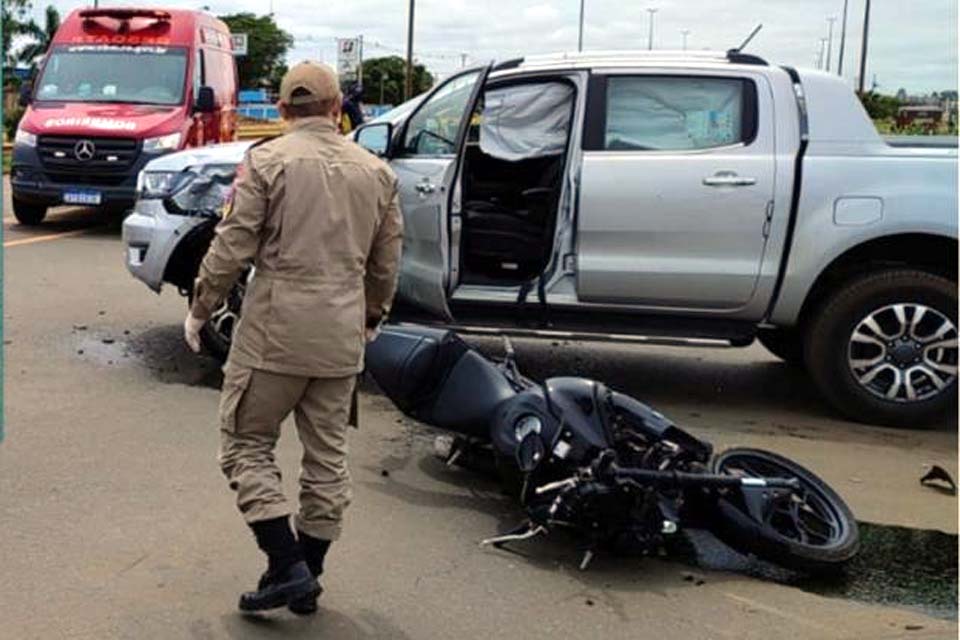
column 812, row 530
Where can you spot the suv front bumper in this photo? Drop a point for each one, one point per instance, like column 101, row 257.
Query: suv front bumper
column 150, row 236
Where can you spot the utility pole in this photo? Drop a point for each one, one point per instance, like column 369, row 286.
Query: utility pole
column 830, row 41
column 580, row 36
column 650, row 40
column 408, row 82
column 463, row 60
column 863, row 46
column 382, row 77
column 823, row 46
column 360, row 66
column 843, row 38
column 685, row 33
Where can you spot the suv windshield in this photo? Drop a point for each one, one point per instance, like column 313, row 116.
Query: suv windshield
column 107, row 73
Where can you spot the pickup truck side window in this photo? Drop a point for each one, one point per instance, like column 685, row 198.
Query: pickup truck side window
column 668, row 113
column 432, row 130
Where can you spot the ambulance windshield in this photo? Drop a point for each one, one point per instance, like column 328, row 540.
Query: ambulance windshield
column 110, row 73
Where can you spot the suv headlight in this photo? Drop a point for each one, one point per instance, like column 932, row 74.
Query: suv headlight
column 25, row 138
column 160, row 184
column 169, row 142
column 195, row 190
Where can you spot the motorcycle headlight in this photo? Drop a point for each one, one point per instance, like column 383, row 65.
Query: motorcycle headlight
column 169, row 142
column 525, row 425
column 25, row 138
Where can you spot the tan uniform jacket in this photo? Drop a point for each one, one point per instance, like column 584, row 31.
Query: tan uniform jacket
column 320, row 219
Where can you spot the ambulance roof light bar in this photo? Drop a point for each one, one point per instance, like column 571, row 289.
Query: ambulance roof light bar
column 125, row 14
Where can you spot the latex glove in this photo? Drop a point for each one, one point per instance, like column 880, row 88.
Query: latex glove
column 372, row 333
column 191, row 332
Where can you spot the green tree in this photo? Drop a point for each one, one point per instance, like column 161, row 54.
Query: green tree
column 30, row 53
column 15, row 18
column 388, row 73
column 879, row 106
column 267, row 44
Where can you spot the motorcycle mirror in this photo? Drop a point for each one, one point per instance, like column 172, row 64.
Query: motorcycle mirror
column 530, row 452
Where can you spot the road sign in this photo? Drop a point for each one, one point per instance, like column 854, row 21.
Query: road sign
column 348, row 58
column 239, row 42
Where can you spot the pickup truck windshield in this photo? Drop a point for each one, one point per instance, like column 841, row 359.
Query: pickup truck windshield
column 109, row 73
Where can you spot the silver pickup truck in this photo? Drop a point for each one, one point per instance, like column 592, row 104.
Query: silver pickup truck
column 688, row 198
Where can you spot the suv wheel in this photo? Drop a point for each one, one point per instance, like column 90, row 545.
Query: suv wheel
column 27, row 213
column 217, row 334
column 883, row 348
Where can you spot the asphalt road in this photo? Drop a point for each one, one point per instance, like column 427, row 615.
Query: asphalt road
column 116, row 523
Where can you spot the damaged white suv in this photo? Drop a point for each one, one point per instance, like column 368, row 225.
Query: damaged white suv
column 670, row 197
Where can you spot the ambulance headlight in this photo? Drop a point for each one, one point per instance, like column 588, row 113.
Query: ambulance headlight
column 169, row 142
column 25, row 138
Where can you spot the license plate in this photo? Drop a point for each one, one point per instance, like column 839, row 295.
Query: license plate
column 82, row 197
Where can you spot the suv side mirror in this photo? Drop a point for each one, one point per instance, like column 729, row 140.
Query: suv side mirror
column 206, row 102
column 376, row 138
column 26, row 92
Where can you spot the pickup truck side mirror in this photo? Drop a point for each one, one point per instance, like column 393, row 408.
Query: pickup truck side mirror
column 26, row 93
column 206, row 102
column 376, row 138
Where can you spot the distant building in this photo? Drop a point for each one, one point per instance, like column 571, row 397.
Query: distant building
column 928, row 116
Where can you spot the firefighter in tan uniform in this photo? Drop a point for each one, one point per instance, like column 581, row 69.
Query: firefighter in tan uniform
column 318, row 217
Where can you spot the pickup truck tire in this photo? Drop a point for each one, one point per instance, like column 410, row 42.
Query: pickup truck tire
column 882, row 348
column 27, row 213
column 786, row 344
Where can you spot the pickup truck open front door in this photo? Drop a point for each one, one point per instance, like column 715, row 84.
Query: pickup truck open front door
column 425, row 159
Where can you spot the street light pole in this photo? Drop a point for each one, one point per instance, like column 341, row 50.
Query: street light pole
column 823, row 45
column 830, row 41
column 650, row 41
column 863, row 46
column 580, row 36
column 843, row 38
column 685, row 33
column 408, row 81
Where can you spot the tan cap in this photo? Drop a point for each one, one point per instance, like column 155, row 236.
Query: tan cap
column 316, row 78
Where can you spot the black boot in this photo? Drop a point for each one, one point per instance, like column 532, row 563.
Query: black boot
column 314, row 551
column 287, row 577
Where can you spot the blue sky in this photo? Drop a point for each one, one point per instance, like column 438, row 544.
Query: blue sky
column 912, row 45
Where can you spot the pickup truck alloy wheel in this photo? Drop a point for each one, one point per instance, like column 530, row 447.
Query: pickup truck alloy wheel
column 904, row 352
column 217, row 333
column 882, row 347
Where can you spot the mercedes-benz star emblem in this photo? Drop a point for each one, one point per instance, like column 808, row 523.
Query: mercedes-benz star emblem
column 84, row 150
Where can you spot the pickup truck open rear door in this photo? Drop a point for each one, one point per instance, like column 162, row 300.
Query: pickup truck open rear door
column 425, row 159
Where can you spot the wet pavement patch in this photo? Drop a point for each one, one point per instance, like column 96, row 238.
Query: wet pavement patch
column 914, row 568
column 896, row 566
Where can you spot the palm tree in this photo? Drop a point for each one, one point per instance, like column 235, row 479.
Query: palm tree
column 32, row 53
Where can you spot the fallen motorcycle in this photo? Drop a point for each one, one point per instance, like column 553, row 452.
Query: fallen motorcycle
column 612, row 470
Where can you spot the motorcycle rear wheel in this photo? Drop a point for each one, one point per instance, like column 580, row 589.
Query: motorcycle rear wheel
column 813, row 532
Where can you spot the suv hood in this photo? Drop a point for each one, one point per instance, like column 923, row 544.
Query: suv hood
column 115, row 120
column 229, row 153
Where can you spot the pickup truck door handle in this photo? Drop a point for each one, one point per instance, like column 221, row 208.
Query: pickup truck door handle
column 728, row 179
column 425, row 187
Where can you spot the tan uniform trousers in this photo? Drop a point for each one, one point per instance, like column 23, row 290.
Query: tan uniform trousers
column 253, row 403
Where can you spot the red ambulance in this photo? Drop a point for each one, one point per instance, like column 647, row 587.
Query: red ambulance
column 117, row 88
